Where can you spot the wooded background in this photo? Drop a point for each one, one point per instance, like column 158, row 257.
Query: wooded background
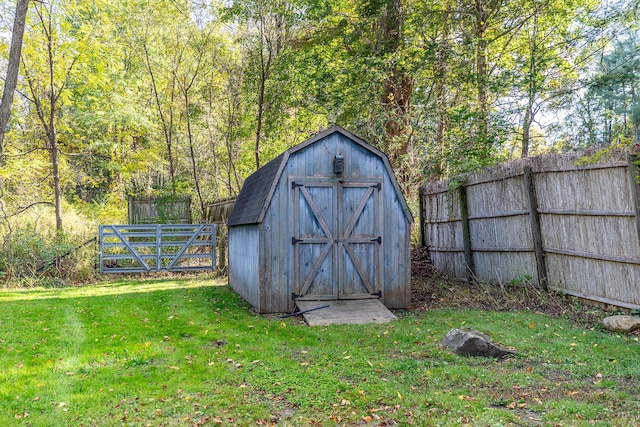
column 543, row 221
column 171, row 98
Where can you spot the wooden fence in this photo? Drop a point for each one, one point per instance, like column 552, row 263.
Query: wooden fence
column 542, row 220
column 157, row 210
column 218, row 213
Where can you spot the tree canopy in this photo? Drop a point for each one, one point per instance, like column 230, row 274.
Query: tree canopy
column 188, row 97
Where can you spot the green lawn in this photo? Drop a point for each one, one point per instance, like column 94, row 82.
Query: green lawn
column 191, row 353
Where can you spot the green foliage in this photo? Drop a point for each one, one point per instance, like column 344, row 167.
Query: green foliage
column 34, row 254
column 29, row 257
column 175, row 97
column 191, row 352
column 521, row 280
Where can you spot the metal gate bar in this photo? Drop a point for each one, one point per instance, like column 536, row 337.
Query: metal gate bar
column 140, row 248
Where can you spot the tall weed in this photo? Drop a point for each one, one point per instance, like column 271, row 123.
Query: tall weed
column 34, row 254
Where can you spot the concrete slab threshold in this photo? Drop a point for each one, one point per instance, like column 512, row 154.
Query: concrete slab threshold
column 345, row 312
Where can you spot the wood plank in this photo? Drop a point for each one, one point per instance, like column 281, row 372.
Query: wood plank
column 586, row 212
column 634, row 177
column 600, row 257
column 345, row 312
column 297, row 281
column 378, row 253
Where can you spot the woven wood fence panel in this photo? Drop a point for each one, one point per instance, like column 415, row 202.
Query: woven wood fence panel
column 155, row 210
column 546, row 221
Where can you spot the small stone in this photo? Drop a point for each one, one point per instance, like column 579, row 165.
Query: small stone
column 469, row 342
column 622, row 324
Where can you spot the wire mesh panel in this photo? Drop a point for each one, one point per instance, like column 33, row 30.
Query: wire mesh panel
column 140, row 248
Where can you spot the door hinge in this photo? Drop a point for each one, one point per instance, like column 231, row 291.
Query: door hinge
column 294, row 240
column 377, row 239
column 377, row 186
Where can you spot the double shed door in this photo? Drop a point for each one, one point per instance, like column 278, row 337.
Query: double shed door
column 337, row 238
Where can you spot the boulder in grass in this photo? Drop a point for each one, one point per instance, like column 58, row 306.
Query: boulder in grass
column 469, row 342
column 624, row 324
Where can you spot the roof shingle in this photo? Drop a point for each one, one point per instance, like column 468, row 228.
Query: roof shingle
column 255, row 191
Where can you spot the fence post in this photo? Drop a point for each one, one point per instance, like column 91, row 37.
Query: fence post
column 130, row 215
column 466, row 234
column 423, row 241
column 536, row 231
column 99, row 264
column 158, row 247
column 635, row 188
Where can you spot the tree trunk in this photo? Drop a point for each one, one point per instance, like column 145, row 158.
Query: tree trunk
column 441, row 75
column 526, row 129
column 259, row 124
column 194, row 169
column 397, row 91
column 635, row 117
column 265, row 70
column 482, row 76
column 52, row 134
column 232, row 109
column 167, row 124
column 57, row 191
column 12, row 68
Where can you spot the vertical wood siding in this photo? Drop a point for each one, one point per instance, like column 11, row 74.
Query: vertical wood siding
column 316, row 160
column 588, row 226
column 243, row 273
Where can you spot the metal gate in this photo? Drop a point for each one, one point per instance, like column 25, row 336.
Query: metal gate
column 141, row 248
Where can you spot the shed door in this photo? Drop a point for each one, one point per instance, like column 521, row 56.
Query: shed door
column 337, row 238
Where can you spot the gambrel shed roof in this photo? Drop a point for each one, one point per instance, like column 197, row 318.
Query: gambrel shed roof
column 256, row 193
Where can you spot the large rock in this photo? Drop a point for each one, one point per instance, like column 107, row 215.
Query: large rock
column 623, row 324
column 469, row 342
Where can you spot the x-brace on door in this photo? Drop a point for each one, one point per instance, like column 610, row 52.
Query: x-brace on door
column 337, row 238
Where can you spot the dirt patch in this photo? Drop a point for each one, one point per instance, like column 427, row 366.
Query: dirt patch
column 432, row 290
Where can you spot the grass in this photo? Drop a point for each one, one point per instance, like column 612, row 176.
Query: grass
column 190, row 352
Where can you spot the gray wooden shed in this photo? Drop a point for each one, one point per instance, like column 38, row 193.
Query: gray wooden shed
column 325, row 220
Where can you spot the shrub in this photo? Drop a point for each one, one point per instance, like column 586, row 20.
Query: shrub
column 34, row 254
